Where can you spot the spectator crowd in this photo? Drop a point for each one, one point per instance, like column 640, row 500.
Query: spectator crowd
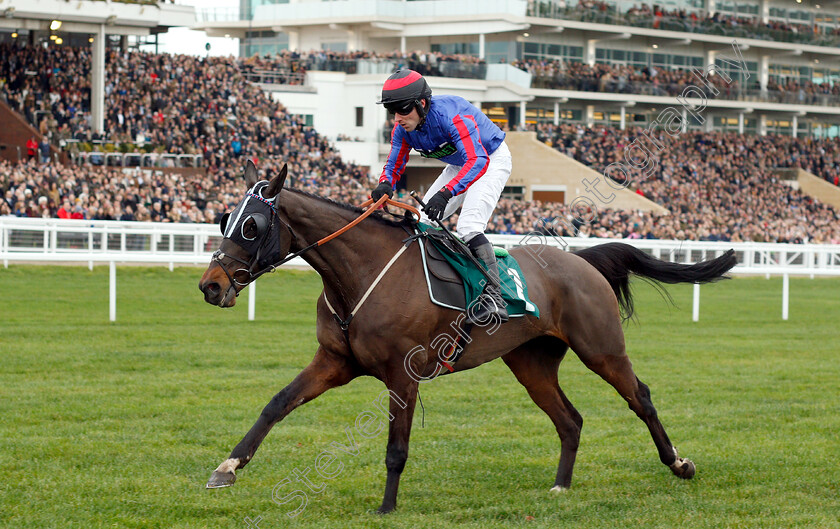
column 717, row 186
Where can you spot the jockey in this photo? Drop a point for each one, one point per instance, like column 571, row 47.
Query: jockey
column 450, row 129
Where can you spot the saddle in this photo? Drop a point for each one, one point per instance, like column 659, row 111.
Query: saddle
column 454, row 287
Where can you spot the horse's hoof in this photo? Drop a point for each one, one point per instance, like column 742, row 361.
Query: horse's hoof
column 683, row 468
column 221, row 479
column 557, row 489
column 384, row 510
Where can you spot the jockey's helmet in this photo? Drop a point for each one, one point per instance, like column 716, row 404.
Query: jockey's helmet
column 403, row 91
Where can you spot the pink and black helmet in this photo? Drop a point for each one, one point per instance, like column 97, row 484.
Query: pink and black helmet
column 403, row 91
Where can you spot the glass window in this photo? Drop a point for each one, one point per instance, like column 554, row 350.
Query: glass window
column 334, row 46
column 725, row 7
column 263, row 43
column 247, row 7
column 499, row 51
column 515, row 192
column 457, row 48
column 735, row 72
column 545, row 50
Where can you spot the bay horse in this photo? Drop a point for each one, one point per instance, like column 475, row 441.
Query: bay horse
column 581, row 298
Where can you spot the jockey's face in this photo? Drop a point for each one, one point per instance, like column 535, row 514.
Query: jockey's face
column 409, row 121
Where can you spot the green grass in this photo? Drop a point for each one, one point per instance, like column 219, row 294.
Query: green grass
column 120, row 424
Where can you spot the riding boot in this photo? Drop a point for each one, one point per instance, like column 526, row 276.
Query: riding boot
column 490, row 302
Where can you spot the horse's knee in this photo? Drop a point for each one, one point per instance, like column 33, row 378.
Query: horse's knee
column 569, row 437
column 578, row 418
column 395, row 459
column 569, row 430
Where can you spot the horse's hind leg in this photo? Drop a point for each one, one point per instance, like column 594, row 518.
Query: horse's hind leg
column 326, row 371
column 535, row 365
column 615, row 368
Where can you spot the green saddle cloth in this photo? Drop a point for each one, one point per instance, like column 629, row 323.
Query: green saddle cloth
column 514, row 289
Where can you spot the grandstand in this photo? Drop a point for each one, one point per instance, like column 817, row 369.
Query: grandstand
column 585, row 80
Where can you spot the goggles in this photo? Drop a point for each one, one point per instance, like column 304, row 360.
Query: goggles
column 400, row 107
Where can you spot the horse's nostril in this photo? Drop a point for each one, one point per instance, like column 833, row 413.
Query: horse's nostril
column 213, row 289
column 210, row 289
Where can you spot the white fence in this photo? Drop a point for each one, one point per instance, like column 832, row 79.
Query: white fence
column 112, row 242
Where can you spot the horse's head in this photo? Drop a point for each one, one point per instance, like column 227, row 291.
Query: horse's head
column 255, row 239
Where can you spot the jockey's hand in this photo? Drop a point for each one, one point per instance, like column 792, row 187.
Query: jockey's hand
column 384, row 188
column 437, row 204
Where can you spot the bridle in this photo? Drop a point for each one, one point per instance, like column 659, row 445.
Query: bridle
column 248, row 266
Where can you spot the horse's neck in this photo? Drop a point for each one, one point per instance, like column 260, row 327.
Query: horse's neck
column 348, row 263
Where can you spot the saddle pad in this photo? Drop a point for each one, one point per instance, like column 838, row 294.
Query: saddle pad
column 471, row 281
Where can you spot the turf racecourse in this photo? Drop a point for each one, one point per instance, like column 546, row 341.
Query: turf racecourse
column 120, row 425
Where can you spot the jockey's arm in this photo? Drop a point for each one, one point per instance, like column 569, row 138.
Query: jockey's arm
column 467, row 139
column 397, row 157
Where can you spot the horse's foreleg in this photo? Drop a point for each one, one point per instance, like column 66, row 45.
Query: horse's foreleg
column 401, row 409
column 326, row 371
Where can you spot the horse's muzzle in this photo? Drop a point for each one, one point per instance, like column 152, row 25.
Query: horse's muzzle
column 215, row 293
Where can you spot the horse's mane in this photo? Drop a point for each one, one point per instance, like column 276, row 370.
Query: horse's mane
column 376, row 215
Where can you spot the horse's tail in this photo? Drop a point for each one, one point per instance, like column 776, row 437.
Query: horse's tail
column 616, row 261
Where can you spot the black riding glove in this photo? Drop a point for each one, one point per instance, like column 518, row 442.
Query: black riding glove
column 437, row 204
column 384, row 188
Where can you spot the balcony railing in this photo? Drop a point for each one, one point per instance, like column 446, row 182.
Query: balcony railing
column 293, row 71
column 736, row 93
column 726, row 27
column 136, row 159
column 218, row 14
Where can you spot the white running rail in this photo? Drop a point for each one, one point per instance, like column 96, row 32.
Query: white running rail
column 114, row 242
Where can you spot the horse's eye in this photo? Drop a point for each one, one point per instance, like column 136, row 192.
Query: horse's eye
column 250, row 229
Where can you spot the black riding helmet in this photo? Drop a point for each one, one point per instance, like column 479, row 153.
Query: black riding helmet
column 403, row 91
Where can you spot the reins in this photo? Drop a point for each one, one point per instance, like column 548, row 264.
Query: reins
column 371, row 206
column 383, row 201
column 344, row 324
column 377, row 205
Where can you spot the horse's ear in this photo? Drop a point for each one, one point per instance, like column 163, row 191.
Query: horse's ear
column 251, row 176
column 276, row 183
